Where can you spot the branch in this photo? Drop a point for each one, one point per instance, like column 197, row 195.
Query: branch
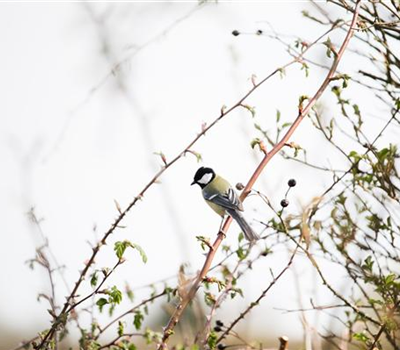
column 169, row 329
column 384, row 325
column 262, row 295
column 167, row 164
column 132, row 310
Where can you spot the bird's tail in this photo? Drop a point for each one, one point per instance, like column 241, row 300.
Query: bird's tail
column 247, row 230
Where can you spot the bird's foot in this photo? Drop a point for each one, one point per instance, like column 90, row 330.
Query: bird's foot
column 222, row 233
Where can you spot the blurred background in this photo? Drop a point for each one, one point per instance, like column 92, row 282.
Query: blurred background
column 92, row 91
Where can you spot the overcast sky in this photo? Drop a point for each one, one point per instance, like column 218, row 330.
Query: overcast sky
column 75, row 137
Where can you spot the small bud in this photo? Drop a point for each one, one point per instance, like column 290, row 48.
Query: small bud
column 291, row 183
column 239, row 186
column 259, row 32
column 284, row 203
column 235, row 33
column 223, row 109
column 254, row 79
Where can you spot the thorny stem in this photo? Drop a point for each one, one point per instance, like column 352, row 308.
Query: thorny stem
column 384, row 325
column 73, row 306
column 169, row 329
column 69, row 302
column 203, row 335
column 131, row 310
column 262, row 295
column 115, row 340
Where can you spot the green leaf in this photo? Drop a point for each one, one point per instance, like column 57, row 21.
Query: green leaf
column 138, row 319
column 255, row 142
column 303, row 98
column 328, row 44
column 141, row 252
column 282, row 72
column 241, row 253
column 375, row 301
column 382, row 154
column 120, row 248
column 356, row 110
column 205, row 242
column 336, row 90
column 285, row 125
column 92, row 345
column 129, row 293
column 199, row 158
column 94, row 279
column 278, row 115
column 361, row 336
column 306, row 69
column 120, row 328
column 111, row 310
column 389, row 279
column 210, row 299
column 235, row 291
column 250, row 109
column 115, row 295
column 368, row 263
column 397, row 103
column 101, row 302
column 356, row 157
column 212, row 340
column 154, row 337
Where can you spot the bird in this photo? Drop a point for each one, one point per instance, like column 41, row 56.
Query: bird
column 223, row 199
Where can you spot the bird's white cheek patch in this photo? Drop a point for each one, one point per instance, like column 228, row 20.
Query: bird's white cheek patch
column 206, row 178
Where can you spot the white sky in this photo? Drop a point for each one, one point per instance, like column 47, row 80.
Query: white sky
column 69, row 153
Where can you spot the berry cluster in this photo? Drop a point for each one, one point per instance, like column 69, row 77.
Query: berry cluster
column 285, row 202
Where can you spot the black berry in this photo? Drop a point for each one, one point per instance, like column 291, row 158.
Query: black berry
column 235, row 33
column 259, row 32
column 292, row 183
column 217, row 329
column 239, row 186
column 219, row 323
column 284, row 203
column 221, row 346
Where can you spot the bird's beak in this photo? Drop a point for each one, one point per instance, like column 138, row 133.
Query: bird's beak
column 193, row 183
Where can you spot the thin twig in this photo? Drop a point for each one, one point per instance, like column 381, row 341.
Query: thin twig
column 169, row 329
column 66, row 308
column 257, row 301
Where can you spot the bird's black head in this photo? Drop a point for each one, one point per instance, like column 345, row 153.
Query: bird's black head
column 203, row 177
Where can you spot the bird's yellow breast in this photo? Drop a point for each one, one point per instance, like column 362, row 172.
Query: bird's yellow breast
column 216, row 186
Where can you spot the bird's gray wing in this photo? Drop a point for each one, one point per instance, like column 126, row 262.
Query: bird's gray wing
column 227, row 200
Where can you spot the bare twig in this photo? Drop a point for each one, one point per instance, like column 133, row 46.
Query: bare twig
column 257, row 301
column 384, row 325
column 168, row 331
column 131, row 310
column 224, row 112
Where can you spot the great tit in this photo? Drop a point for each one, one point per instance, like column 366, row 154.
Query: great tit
column 222, row 198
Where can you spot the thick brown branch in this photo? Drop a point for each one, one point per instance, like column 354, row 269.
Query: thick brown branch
column 67, row 306
column 169, row 329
